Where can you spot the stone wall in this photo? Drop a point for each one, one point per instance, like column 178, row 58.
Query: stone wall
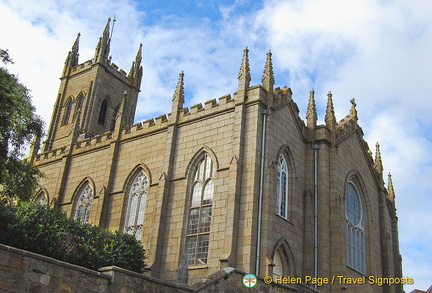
column 23, row 271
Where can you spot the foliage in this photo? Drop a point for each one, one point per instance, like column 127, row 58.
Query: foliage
column 18, row 126
column 4, row 56
column 50, row 232
column 20, row 181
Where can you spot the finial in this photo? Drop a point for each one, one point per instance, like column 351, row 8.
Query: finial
column 353, row 111
column 378, row 162
column 72, row 58
column 103, row 46
column 136, row 69
column 330, row 118
column 390, row 189
column 244, row 76
column 268, row 77
column 106, row 32
column 179, row 91
column 311, row 114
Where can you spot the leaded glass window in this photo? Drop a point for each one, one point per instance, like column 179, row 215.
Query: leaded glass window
column 83, row 205
column 282, row 187
column 67, row 111
column 200, row 213
column 136, row 205
column 42, row 200
column 79, row 103
column 355, row 229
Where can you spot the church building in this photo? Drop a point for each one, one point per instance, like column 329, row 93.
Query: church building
column 239, row 181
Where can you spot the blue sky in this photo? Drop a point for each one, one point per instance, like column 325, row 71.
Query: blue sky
column 378, row 52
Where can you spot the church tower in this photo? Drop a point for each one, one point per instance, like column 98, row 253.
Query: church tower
column 90, row 94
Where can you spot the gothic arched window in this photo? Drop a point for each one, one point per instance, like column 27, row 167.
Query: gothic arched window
column 42, row 199
column 137, row 198
column 278, row 268
column 103, row 112
column 282, row 187
column 79, row 103
column 200, row 212
column 355, row 229
column 67, row 111
column 83, row 204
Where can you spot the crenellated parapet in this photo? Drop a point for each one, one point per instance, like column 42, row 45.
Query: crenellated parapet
column 210, row 107
column 93, row 142
column 345, row 127
column 49, row 156
column 111, row 68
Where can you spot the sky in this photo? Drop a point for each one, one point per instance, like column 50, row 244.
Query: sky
column 377, row 51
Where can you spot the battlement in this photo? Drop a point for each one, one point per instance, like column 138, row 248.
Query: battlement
column 92, row 142
column 345, row 126
column 210, row 107
column 50, row 156
column 111, row 67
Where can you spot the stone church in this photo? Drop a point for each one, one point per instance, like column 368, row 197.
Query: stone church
column 240, row 181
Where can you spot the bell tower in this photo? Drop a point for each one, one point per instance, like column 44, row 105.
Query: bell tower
column 90, row 94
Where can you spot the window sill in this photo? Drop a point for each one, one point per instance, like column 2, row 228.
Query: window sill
column 285, row 219
column 356, row 270
column 198, row 267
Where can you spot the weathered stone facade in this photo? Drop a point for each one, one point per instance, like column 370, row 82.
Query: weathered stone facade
column 278, row 196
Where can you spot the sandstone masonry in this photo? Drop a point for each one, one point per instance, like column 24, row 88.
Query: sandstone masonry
column 240, row 181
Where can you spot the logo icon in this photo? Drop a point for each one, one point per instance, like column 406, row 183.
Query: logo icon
column 250, row 280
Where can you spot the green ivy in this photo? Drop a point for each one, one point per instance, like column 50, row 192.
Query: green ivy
column 50, row 232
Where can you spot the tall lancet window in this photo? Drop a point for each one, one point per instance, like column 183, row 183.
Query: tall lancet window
column 355, row 229
column 282, row 188
column 200, row 212
column 103, row 112
column 83, row 204
column 67, row 111
column 137, row 199
column 79, row 103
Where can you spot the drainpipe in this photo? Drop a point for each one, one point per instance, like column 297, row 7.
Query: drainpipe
column 264, row 113
column 315, row 148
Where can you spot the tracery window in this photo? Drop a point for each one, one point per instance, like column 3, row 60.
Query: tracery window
column 200, row 212
column 355, row 229
column 42, row 199
column 103, row 112
column 282, row 187
column 137, row 199
column 79, row 103
column 67, row 111
column 83, row 204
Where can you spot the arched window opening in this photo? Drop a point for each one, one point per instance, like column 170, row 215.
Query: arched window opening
column 79, row 104
column 137, row 198
column 282, row 188
column 200, row 212
column 103, row 112
column 42, row 199
column 67, row 111
column 278, row 268
column 355, row 229
column 83, row 204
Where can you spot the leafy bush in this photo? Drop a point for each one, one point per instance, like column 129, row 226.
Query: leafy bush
column 50, row 232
